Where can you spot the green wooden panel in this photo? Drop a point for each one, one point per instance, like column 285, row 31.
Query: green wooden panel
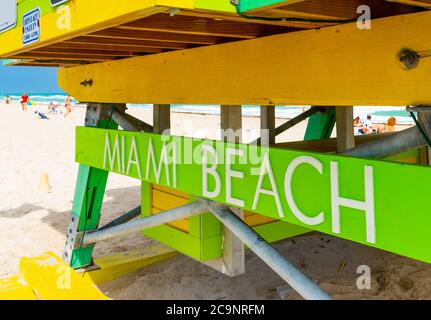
column 382, row 204
column 246, row 5
column 279, row 230
column 320, row 125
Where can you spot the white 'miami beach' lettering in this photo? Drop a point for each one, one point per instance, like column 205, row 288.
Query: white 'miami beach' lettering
column 164, row 160
column 210, row 170
column 311, row 221
column 367, row 205
column 230, row 174
column 111, row 155
column 133, row 158
column 266, row 169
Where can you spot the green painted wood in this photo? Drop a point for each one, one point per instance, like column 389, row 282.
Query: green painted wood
column 87, row 202
column 247, row 5
column 398, row 196
column 320, row 125
column 280, row 230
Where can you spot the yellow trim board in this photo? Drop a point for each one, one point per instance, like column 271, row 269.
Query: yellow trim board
column 14, row 288
column 52, row 279
column 117, row 265
column 334, row 66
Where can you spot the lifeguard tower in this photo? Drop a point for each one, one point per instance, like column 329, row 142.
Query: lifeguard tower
column 211, row 200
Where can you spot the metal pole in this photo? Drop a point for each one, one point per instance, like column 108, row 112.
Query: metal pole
column 188, row 210
column 129, row 215
column 294, row 277
column 393, row 144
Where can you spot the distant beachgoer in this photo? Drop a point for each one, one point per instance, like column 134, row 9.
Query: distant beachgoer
column 68, row 105
column 367, row 126
column 357, row 122
column 41, row 115
column 389, row 126
column 24, row 101
column 51, row 108
column 8, row 100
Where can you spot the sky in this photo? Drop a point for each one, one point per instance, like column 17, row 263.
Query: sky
column 28, row 79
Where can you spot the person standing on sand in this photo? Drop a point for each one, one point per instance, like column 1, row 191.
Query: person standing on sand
column 24, row 100
column 68, row 105
column 8, row 100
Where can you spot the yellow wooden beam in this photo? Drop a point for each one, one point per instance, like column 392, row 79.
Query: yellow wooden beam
column 116, row 265
column 334, row 66
column 52, row 279
column 87, row 16
column 14, row 288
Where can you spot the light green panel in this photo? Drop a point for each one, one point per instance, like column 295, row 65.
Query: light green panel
column 400, row 191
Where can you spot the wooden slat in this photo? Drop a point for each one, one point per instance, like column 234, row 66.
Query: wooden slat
column 236, row 17
column 204, row 26
column 419, row 3
column 48, row 56
column 105, row 48
column 170, row 191
column 158, row 36
column 128, row 43
column 335, row 9
column 166, row 201
column 64, row 51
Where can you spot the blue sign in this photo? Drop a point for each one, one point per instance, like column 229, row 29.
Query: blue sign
column 31, row 27
column 57, row 2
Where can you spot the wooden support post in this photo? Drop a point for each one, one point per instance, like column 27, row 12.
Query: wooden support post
column 161, row 118
column 89, row 193
column 233, row 260
column 267, row 125
column 345, row 130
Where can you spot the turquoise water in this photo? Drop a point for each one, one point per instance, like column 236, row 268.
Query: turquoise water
column 379, row 114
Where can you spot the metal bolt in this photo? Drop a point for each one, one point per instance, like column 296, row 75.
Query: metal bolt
column 409, row 58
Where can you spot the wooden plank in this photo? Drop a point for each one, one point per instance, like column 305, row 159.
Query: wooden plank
column 54, row 56
column 420, row 3
column 331, row 10
column 336, row 66
column 127, row 43
column 345, row 130
column 165, row 201
column 101, row 47
column 204, row 26
column 90, row 52
column 118, row 33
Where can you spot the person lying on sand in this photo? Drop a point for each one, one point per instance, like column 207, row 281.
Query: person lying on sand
column 367, row 127
column 41, row 115
column 388, row 127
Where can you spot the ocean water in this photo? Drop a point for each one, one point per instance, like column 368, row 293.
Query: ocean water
column 379, row 114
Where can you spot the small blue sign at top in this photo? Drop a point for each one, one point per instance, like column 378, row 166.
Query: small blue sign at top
column 31, row 27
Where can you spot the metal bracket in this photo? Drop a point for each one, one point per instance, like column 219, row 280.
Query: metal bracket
column 74, row 238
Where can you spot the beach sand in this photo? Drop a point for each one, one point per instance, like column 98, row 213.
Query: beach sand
column 32, row 223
